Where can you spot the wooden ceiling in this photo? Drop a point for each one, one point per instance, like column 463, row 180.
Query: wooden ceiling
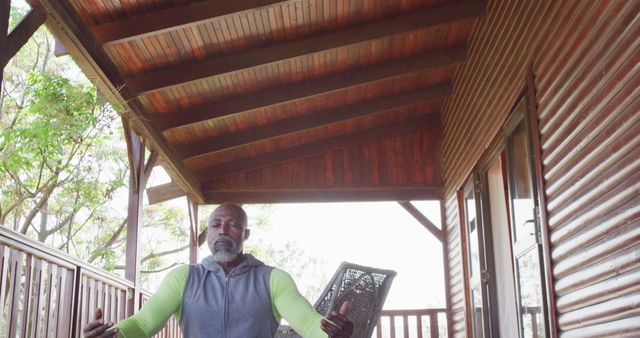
column 278, row 101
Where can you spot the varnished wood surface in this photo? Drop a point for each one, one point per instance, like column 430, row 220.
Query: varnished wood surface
column 219, row 87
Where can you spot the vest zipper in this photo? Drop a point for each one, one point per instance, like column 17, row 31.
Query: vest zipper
column 226, row 306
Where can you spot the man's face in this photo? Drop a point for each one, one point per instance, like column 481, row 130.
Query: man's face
column 226, row 233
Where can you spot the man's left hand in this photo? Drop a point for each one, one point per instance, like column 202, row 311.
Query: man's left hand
column 337, row 324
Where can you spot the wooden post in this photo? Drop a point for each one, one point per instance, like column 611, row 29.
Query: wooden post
column 193, row 226
column 5, row 7
column 138, row 175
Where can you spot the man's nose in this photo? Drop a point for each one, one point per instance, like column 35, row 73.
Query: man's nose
column 223, row 229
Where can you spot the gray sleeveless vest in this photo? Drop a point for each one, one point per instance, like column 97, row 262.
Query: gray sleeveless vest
column 233, row 306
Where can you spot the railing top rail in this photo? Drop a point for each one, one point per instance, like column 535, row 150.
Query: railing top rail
column 19, row 241
column 413, row 312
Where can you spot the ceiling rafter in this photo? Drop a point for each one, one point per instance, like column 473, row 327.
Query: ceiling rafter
column 314, row 120
column 297, row 91
column 318, row 147
column 177, row 75
column 387, row 193
column 67, row 24
column 172, row 18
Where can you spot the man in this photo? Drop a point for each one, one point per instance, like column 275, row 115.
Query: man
column 229, row 294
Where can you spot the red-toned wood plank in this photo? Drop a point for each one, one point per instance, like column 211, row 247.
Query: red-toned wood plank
column 296, row 91
column 171, row 18
column 21, row 33
column 173, row 76
column 315, row 120
column 390, row 193
column 318, row 147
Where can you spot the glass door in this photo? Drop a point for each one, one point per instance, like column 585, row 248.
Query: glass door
column 477, row 249
column 525, row 225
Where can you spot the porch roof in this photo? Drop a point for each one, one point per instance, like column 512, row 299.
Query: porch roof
column 263, row 101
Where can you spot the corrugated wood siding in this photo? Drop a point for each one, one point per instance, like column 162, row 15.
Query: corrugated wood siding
column 456, row 270
column 586, row 58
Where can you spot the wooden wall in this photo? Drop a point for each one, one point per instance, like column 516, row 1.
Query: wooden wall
column 403, row 167
column 586, row 61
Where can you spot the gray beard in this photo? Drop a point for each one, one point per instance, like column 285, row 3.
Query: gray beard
column 225, row 254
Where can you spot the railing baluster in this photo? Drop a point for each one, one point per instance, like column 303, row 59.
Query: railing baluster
column 405, row 323
column 534, row 322
column 26, row 307
column 392, row 326
column 433, row 325
column 14, row 292
column 37, row 300
column 4, row 267
column 379, row 328
column 419, row 325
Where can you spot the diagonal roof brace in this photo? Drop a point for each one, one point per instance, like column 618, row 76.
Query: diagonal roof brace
column 420, row 217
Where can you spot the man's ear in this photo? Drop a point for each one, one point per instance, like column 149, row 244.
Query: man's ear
column 246, row 234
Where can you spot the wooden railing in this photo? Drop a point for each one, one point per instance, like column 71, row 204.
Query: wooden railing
column 46, row 293
column 171, row 330
column 422, row 323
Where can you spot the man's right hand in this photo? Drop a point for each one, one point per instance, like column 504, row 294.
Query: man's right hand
column 98, row 328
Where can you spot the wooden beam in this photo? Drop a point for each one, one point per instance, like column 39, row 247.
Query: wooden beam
column 5, row 9
column 68, row 27
column 390, row 193
column 420, row 217
column 173, row 76
column 21, row 33
column 135, row 151
column 172, row 18
column 297, row 91
column 318, row 147
column 300, row 123
column 164, row 192
column 193, row 230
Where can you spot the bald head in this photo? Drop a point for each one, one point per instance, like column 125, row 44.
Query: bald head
column 241, row 215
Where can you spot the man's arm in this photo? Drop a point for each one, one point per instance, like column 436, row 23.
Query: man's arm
column 156, row 311
column 292, row 306
column 153, row 315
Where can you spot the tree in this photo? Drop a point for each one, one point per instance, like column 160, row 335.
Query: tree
column 63, row 162
column 63, row 171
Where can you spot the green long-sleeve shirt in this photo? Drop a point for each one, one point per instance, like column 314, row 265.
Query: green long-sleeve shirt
column 286, row 301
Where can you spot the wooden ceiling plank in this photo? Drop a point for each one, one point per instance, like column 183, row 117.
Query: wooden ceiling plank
column 318, row 147
column 21, row 33
column 296, row 91
column 66, row 26
column 391, row 193
column 172, row 76
column 172, row 18
column 315, row 120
